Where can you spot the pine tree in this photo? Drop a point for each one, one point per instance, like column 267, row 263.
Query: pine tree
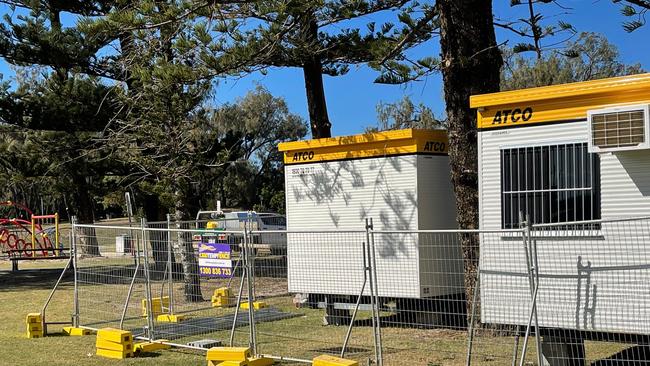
column 315, row 36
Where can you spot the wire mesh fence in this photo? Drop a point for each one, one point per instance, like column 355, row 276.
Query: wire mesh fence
column 593, row 301
column 317, row 278
column 386, row 297
column 110, row 278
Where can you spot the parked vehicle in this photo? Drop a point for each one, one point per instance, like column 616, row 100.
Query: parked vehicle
column 274, row 241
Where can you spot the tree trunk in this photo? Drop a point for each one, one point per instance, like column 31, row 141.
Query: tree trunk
column 313, row 71
column 471, row 65
column 191, row 278
column 88, row 244
column 159, row 242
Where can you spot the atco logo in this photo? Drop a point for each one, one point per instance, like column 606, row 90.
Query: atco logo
column 512, row 116
column 434, row 146
column 303, row 156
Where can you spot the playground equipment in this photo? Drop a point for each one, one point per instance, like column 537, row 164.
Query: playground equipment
column 24, row 237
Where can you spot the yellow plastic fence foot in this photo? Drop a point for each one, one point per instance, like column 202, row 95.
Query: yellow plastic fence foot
column 221, row 302
column 158, row 304
column 257, row 305
column 151, row 346
column 114, row 343
column 222, row 291
column 326, row 360
column 221, row 297
column 75, row 332
column 170, row 318
column 228, row 363
column 115, row 335
column 34, row 325
column 220, row 354
column 260, row 361
column 113, row 346
column 114, row 354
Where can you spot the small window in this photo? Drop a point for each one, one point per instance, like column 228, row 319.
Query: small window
column 554, row 183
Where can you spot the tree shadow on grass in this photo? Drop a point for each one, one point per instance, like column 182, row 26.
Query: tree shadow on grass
column 32, row 279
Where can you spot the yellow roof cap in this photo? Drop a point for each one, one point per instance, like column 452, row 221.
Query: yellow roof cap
column 622, row 83
column 371, row 144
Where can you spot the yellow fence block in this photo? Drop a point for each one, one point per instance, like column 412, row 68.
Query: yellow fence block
column 256, row 305
column 34, row 318
column 35, row 334
column 151, row 346
column 115, row 335
column 228, row 363
column 220, row 301
column 113, row 346
column 158, row 305
column 36, row 327
column 326, row 360
column 170, row 318
column 260, row 361
column 114, row 354
column 222, row 291
column 228, row 354
column 72, row 331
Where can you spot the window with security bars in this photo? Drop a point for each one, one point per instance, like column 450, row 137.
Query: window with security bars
column 553, row 183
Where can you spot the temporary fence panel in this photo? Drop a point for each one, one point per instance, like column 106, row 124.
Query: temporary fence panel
column 110, row 284
column 593, row 287
column 448, row 328
column 198, row 274
column 319, row 320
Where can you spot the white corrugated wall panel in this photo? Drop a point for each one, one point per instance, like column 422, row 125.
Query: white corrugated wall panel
column 625, row 184
column 583, row 280
column 441, row 259
column 341, row 195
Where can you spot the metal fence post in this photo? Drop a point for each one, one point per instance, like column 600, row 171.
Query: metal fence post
column 373, row 268
column 538, row 332
column 248, row 259
column 533, row 278
column 150, row 315
column 372, row 294
column 470, row 328
column 239, row 297
column 170, row 278
column 73, row 242
column 366, row 268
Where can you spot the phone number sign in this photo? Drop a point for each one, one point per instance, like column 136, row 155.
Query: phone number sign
column 215, row 260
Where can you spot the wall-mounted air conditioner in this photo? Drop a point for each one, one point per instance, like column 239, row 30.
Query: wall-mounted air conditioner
column 619, row 128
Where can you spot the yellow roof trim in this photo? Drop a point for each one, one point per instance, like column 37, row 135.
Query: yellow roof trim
column 346, row 140
column 622, row 83
column 558, row 103
column 376, row 144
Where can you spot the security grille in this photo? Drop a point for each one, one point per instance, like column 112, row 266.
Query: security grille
column 550, row 184
column 619, row 129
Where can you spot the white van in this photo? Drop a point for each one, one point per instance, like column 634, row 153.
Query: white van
column 273, row 242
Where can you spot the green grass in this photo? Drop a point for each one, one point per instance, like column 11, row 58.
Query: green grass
column 303, row 336
column 15, row 349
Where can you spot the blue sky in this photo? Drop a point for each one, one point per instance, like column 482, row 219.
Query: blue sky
column 352, row 98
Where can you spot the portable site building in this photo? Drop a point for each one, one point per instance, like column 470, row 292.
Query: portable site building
column 401, row 179
column 568, row 154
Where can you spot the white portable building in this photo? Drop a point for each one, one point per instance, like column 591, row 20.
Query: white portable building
column 567, row 154
column 401, row 179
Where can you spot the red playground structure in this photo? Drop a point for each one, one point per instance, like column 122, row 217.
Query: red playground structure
column 23, row 236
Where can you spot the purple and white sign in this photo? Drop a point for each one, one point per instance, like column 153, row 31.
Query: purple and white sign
column 215, row 260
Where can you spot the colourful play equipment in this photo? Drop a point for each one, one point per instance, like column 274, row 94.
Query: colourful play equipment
column 24, row 236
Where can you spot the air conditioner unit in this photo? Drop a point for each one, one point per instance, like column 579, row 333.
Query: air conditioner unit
column 619, row 129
